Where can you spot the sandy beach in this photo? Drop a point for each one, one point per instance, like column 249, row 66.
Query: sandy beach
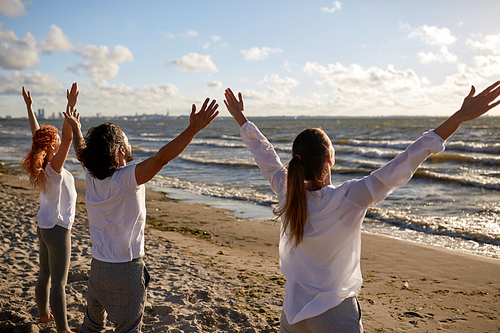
column 213, row 272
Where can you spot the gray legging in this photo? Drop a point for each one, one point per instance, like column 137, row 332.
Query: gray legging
column 55, row 251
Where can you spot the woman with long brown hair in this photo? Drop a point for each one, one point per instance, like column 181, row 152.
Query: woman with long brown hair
column 44, row 165
column 320, row 241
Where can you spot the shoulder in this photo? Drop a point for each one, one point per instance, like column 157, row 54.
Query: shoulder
column 125, row 177
column 125, row 171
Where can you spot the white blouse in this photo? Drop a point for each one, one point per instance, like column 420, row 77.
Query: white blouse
column 324, row 269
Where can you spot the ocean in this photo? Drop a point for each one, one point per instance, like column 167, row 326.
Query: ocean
column 453, row 201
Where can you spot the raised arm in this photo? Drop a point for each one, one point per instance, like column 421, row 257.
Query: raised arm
column 472, row 107
column 31, row 115
column 73, row 118
column 148, row 168
column 235, row 106
column 59, row 158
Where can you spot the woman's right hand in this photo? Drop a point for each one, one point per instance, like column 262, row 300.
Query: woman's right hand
column 27, row 98
column 235, row 106
column 73, row 117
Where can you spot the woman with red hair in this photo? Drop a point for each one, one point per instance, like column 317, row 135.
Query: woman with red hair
column 44, row 165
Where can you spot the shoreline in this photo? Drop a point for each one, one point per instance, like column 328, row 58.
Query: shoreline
column 219, row 273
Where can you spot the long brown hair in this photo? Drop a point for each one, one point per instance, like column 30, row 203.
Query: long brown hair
column 310, row 150
column 33, row 164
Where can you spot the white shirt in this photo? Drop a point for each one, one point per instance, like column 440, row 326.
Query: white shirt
column 57, row 204
column 116, row 207
column 324, row 269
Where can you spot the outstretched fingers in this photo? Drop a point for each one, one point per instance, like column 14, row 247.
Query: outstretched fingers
column 231, row 102
column 207, row 113
column 72, row 95
column 491, row 88
column 72, row 116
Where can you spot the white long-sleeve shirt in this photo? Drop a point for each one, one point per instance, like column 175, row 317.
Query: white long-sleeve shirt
column 324, row 269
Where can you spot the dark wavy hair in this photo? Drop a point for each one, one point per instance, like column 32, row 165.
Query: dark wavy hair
column 310, row 150
column 100, row 156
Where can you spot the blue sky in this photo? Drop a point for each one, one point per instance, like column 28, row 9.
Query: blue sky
column 322, row 58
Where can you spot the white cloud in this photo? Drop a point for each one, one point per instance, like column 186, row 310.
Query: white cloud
column 404, row 26
column 186, row 34
column 257, row 54
column 490, row 43
column 443, row 56
column 253, row 94
column 169, row 35
column 194, row 62
column 216, row 41
column 155, row 93
column 55, row 40
column 7, row 35
column 12, row 8
column 215, row 84
column 125, row 100
column 36, row 82
column 18, row 54
column 189, row 33
column 101, row 62
column 432, row 35
column 286, row 82
column 356, row 76
column 286, row 66
column 487, row 66
column 22, row 54
column 336, row 6
column 282, row 83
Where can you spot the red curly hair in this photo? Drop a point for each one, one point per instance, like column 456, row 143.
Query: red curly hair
column 33, row 164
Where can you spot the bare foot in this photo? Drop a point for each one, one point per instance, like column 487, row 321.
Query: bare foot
column 46, row 319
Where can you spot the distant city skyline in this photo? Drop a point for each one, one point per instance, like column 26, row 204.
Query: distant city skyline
column 288, row 58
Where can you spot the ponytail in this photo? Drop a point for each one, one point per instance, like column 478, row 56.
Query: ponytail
column 310, row 150
column 294, row 211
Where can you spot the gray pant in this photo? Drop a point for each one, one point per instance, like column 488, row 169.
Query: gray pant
column 55, row 252
column 344, row 318
column 118, row 289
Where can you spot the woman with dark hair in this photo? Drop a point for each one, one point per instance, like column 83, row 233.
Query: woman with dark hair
column 116, row 205
column 320, row 241
column 101, row 159
column 44, row 165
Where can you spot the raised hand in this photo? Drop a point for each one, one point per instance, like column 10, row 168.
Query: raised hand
column 472, row 107
column 475, row 106
column 72, row 95
column 235, row 106
column 27, row 98
column 200, row 120
column 73, row 118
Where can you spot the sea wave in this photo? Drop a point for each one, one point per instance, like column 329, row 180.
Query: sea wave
column 475, row 227
column 486, row 179
column 247, row 194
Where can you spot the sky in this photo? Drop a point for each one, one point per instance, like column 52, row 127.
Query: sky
column 288, row 58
